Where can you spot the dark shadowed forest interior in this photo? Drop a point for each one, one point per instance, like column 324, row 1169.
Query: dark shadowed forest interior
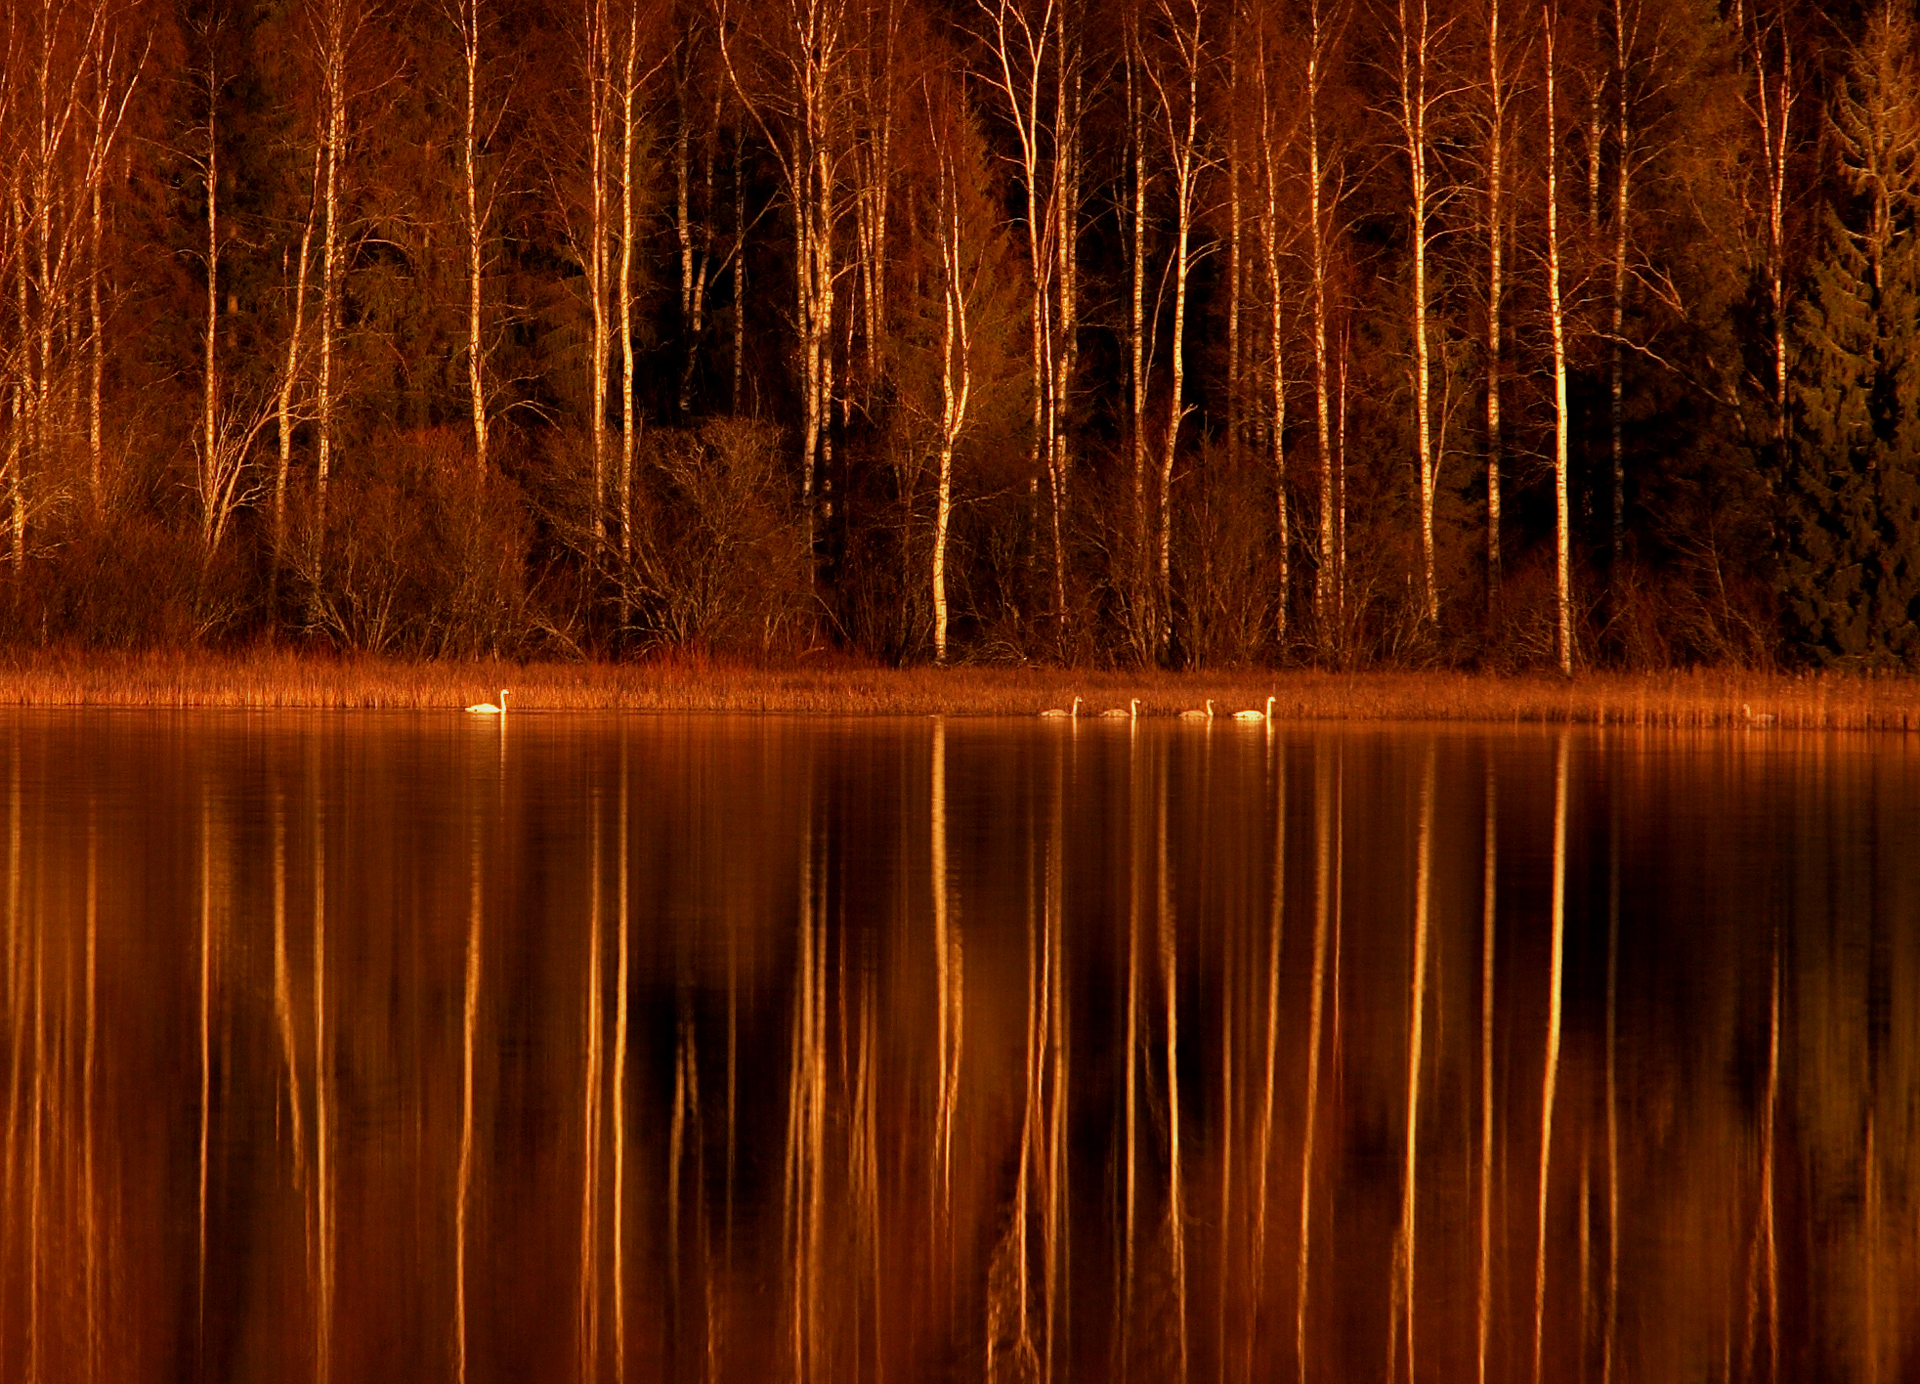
column 1178, row 332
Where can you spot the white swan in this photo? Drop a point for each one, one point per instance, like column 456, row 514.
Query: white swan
column 1206, row 715
column 489, row 709
column 1073, row 715
column 1130, row 712
column 1266, row 715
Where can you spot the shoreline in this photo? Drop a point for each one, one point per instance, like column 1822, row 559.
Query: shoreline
column 277, row 681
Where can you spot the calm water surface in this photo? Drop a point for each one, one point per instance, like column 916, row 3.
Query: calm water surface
column 375, row 1048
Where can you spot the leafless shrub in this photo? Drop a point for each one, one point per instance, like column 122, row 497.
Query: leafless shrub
column 424, row 553
column 718, row 558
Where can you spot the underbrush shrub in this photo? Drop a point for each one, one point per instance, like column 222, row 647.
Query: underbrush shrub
column 1688, row 615
column 128, row 581
column 1226, row 585
column 719, row 561
column 423, row 553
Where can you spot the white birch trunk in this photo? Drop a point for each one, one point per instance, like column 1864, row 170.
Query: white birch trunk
column 333, row 59
column 1772, row 109
column 1183, row 139
column 596, row 76
column 956, row 378
column 291, row 370
column 1497, row 95
column 476, row 230
column 1137, row 334
column 1326, row 574
column 1271, row 246
column 1622, row 205
column 1557, row 324
column 210, row 459
column 1415, row 40
column 1019, row 43
column 628, row 125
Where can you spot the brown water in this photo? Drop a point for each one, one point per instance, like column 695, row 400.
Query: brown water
column 375, row 1048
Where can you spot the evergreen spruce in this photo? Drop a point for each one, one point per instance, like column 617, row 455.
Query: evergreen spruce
column 1850, row 493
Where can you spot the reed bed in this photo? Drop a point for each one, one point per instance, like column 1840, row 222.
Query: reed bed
column 282, row 681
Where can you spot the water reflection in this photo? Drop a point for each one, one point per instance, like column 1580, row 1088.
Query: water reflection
column 355, row 1048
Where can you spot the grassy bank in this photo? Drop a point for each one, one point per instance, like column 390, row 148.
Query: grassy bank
column 283, row 681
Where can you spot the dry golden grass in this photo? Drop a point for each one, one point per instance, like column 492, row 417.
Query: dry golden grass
column 273, row 681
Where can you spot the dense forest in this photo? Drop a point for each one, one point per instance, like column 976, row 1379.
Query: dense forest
column 1180, row 332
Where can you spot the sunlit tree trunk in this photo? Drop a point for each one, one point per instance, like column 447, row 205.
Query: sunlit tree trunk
column 1275, row 242
column 1019, row 37
column 1145, row 621
column 96, row 271
column 628, row 127
column 596, row 77
column 1498, row 88
column 1322, row 34
column 1179, row 96
column 802, row 121
column 738, row 395
column 683, row 234
column 1771, row 106
column 1626, row 16
column 1557, row 325
column 335, row 31
column 1069, row 101
column 1416, row 39
column 290, row 371
column 476, row 225
column 20, row 440
column 877, row 70
column 210, row 458
column 956, row 348
column 1236, row 160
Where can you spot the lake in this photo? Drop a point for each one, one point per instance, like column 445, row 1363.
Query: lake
column 373, row 1047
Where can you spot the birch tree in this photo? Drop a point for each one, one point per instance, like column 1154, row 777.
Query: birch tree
column 337, row 29
column 477, row 125
column 218, row 472
column 696, row 122
column 592, row 243
column 293, row 367
column 1326, row 22
column 632, row 81
column 960, row 268
column 1417, row 39
column 70, row 74
column 1557, row 326
column 1772, row 95
column 788, row 69
column 1022, row 40
column 1178, row 89
column 1143, row 610
column 1499, row 83
column 1277, row 238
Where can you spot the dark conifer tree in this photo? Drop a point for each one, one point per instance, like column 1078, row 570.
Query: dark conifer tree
column 1850, row 522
